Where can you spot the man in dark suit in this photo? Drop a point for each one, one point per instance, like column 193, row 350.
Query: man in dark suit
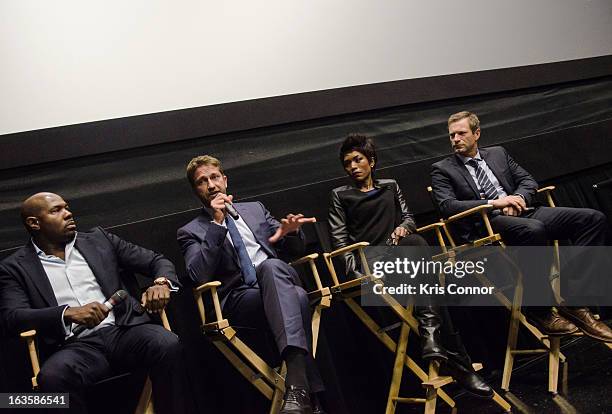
column 243, row 253
column 57, row 284
column 474, row 177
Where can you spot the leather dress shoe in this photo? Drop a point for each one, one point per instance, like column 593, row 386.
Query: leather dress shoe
column 317, row 409
column 585, row 320
column 296, row 401
column 551, row 323
column 467, row 379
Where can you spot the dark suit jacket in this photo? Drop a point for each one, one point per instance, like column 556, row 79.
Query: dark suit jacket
column 455, row 191
column 210, row 256
column 27, row 300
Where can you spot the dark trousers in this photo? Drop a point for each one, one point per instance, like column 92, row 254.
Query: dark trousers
column 83, row 362
column 582, row 226
column 280, row 304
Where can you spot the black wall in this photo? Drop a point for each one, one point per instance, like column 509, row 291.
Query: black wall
column 559, row 132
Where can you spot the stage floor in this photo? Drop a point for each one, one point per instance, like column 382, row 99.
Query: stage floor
column 585, row 385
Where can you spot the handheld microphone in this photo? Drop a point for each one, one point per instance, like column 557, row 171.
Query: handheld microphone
column 118, row 297
column 231, row 210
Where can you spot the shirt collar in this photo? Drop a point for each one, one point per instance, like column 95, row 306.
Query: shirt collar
column 465, row 160
column 41, row 254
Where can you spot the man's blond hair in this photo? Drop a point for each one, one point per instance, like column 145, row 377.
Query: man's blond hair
column 197, row 162
column 473, row 120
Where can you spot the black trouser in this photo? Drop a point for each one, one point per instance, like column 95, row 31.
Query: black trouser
column 582, row 226
column 83, row 362
column 279, row 297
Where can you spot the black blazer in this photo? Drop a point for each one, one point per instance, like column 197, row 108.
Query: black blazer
column 455, row 190
column 210, row 256
column 27, row 300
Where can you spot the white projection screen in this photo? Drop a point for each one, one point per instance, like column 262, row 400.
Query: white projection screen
column 71, row 62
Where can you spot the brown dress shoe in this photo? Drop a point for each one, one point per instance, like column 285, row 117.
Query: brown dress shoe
column 551, row 323
column 584, row 319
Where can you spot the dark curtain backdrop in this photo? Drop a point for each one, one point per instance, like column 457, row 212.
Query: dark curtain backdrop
column 561, row 134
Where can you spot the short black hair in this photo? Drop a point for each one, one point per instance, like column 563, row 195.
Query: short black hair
column 360, row 143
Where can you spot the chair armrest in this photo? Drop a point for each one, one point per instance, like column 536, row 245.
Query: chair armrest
column 207, row 286
column 29, row 337
column 304, row 259
column 545, row 189
column 310, row 259
column 199, row 291
column 469, row 212
column 347, row 249
column 548, row 191
column 429, row 227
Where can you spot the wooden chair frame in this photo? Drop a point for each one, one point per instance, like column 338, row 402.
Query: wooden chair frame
column 551, row 344
column 269, row 381
column 431, row 380
column 145, row 401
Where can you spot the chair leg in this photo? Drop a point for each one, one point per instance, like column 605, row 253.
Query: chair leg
column 512, row 338
column 145, row 402
column 431, row 393
column 277, row 397
column 316, row 323
column 553, row 364
column 398, row 369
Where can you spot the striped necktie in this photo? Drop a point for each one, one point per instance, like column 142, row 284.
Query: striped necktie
column 487, row 189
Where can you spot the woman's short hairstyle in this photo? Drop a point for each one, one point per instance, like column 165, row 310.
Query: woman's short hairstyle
column 360, row 143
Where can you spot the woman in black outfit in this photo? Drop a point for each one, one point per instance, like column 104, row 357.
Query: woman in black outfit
column 375, row 211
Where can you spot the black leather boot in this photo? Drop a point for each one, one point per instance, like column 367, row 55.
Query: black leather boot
column 459, row 366
column 429, row 329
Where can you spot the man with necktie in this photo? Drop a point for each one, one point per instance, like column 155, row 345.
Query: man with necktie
column 243, row 253
column 473, row 177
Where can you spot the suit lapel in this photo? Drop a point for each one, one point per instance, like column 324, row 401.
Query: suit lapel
column 497, row 169
column 95, row 260
column 459, row 166
column 251, row 222
column 35, row 271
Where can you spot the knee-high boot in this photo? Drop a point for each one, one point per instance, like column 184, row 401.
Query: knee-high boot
column 430, row 324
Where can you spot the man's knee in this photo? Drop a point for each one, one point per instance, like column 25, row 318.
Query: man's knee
column 596, row 217
column 273, row 268
column 535, row 232
column 166, row 344
column 58, row 378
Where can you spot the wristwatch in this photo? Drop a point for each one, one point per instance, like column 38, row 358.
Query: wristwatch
column 162, row 280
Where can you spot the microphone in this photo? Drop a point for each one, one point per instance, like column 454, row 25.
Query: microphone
column 231, row 211
column 118, row 297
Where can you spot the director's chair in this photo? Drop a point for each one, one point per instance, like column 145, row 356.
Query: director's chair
column 550, row 344
column 346, row 291
column 145, row 402
column 269, row 381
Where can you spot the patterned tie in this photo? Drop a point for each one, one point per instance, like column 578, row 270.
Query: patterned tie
column 248, row 270
column 487, row 189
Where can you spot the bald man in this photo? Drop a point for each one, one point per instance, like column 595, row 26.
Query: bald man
column 60, row 280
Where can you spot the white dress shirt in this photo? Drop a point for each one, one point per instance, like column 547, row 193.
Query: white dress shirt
column 73, row 283
column 256, row 253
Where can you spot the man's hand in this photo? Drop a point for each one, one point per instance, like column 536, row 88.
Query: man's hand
column 510, row 211
column 399, row 233
column 516, row 203
column 292, row 222
column 155, row 298
column 218, row 206
column 89, row 315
